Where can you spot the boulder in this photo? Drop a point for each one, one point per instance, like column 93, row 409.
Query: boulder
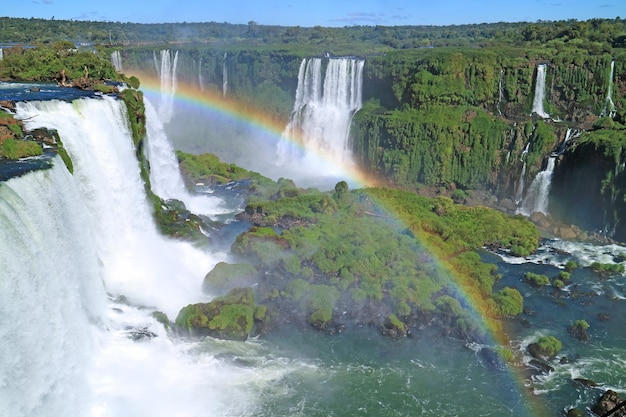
column 229, row 317
column 225, row 277
column 609, row 401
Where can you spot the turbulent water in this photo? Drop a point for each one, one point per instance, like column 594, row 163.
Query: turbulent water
column 83, row 268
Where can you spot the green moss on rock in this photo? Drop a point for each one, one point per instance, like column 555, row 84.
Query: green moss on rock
column 229, row 317
column 224, row 277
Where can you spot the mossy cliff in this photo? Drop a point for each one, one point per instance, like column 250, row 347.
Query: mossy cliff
column 450, row 118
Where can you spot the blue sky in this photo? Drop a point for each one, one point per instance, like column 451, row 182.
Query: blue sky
column 307, row 13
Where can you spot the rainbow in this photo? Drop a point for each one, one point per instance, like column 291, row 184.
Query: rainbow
column 237, row 111
column 214, row 102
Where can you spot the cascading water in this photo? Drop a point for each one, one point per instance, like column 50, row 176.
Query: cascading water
column 67, row 347
column 519, row 194
column 166, row 69
column 322, row 112
column 200, row 78
column 500, row 92
column 537, row 196
column 116, row 60
column 224, row 77
column 540, row 88
column 609, row 107
column 165, row 177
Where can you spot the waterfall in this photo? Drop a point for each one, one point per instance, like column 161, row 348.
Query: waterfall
column 540, row 87
column 569, row 136
column 224, row 77
column 1, row 54
column 82, row 268
column 322, row 112
column 166, row 69
column 609, row 106
column 200, row 79
column 525, row 151
column 500, row 92
column 116, row 60
column 519, row 194
column 47, row 305
column 537, row 196
column 165, row 177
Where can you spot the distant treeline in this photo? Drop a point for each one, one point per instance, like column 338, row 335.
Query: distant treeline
column 365, row 40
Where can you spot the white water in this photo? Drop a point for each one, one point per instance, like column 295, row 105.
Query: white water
column 165, row 177
column 609, row 106
column 540, row 88
column 200, row 78
column 166, row 68
column 116, row 60
column 68, row 241
column 538, row 194
column 519, row 194
column 224, row 77
column 500, row 92
column 570, row 135
column 319, row 129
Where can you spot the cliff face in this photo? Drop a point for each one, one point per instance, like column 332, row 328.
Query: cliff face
column 468, row 119
column 460, row 118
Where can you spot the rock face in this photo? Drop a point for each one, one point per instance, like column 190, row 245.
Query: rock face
column 609, row 401
column 229, row 317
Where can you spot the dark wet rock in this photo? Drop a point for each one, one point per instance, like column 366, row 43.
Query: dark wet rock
column 604, row 316
column 608, row 402
column 586, row 382
column 574, row 412
column 541, row 365
column 140, row 333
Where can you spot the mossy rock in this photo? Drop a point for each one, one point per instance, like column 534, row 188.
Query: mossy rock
column 229, row 317
column 394, row 327
column 224, row 277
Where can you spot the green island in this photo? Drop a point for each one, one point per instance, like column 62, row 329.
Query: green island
column 376, row 256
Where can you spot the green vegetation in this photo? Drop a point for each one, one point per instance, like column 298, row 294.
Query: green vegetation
column 570, row 265
column 578, row 330
column 346, row 250
column 537, row 280
column 607, row 269
column 227, row 317
column 549, row 346
column 16, row 148
column 60, row 62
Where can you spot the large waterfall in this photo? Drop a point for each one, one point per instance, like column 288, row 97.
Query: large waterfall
column 322, row 113
column 166, row 69
column 83, row 268
column 540, row 89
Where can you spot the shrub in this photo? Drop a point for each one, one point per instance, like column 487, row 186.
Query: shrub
column 537, row 280
column 549, row 345
column 570, row 265
column 607, row 269
column 564, row 276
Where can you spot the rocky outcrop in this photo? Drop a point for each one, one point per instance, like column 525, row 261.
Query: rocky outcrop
column 610, row 402
column 229, row 317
